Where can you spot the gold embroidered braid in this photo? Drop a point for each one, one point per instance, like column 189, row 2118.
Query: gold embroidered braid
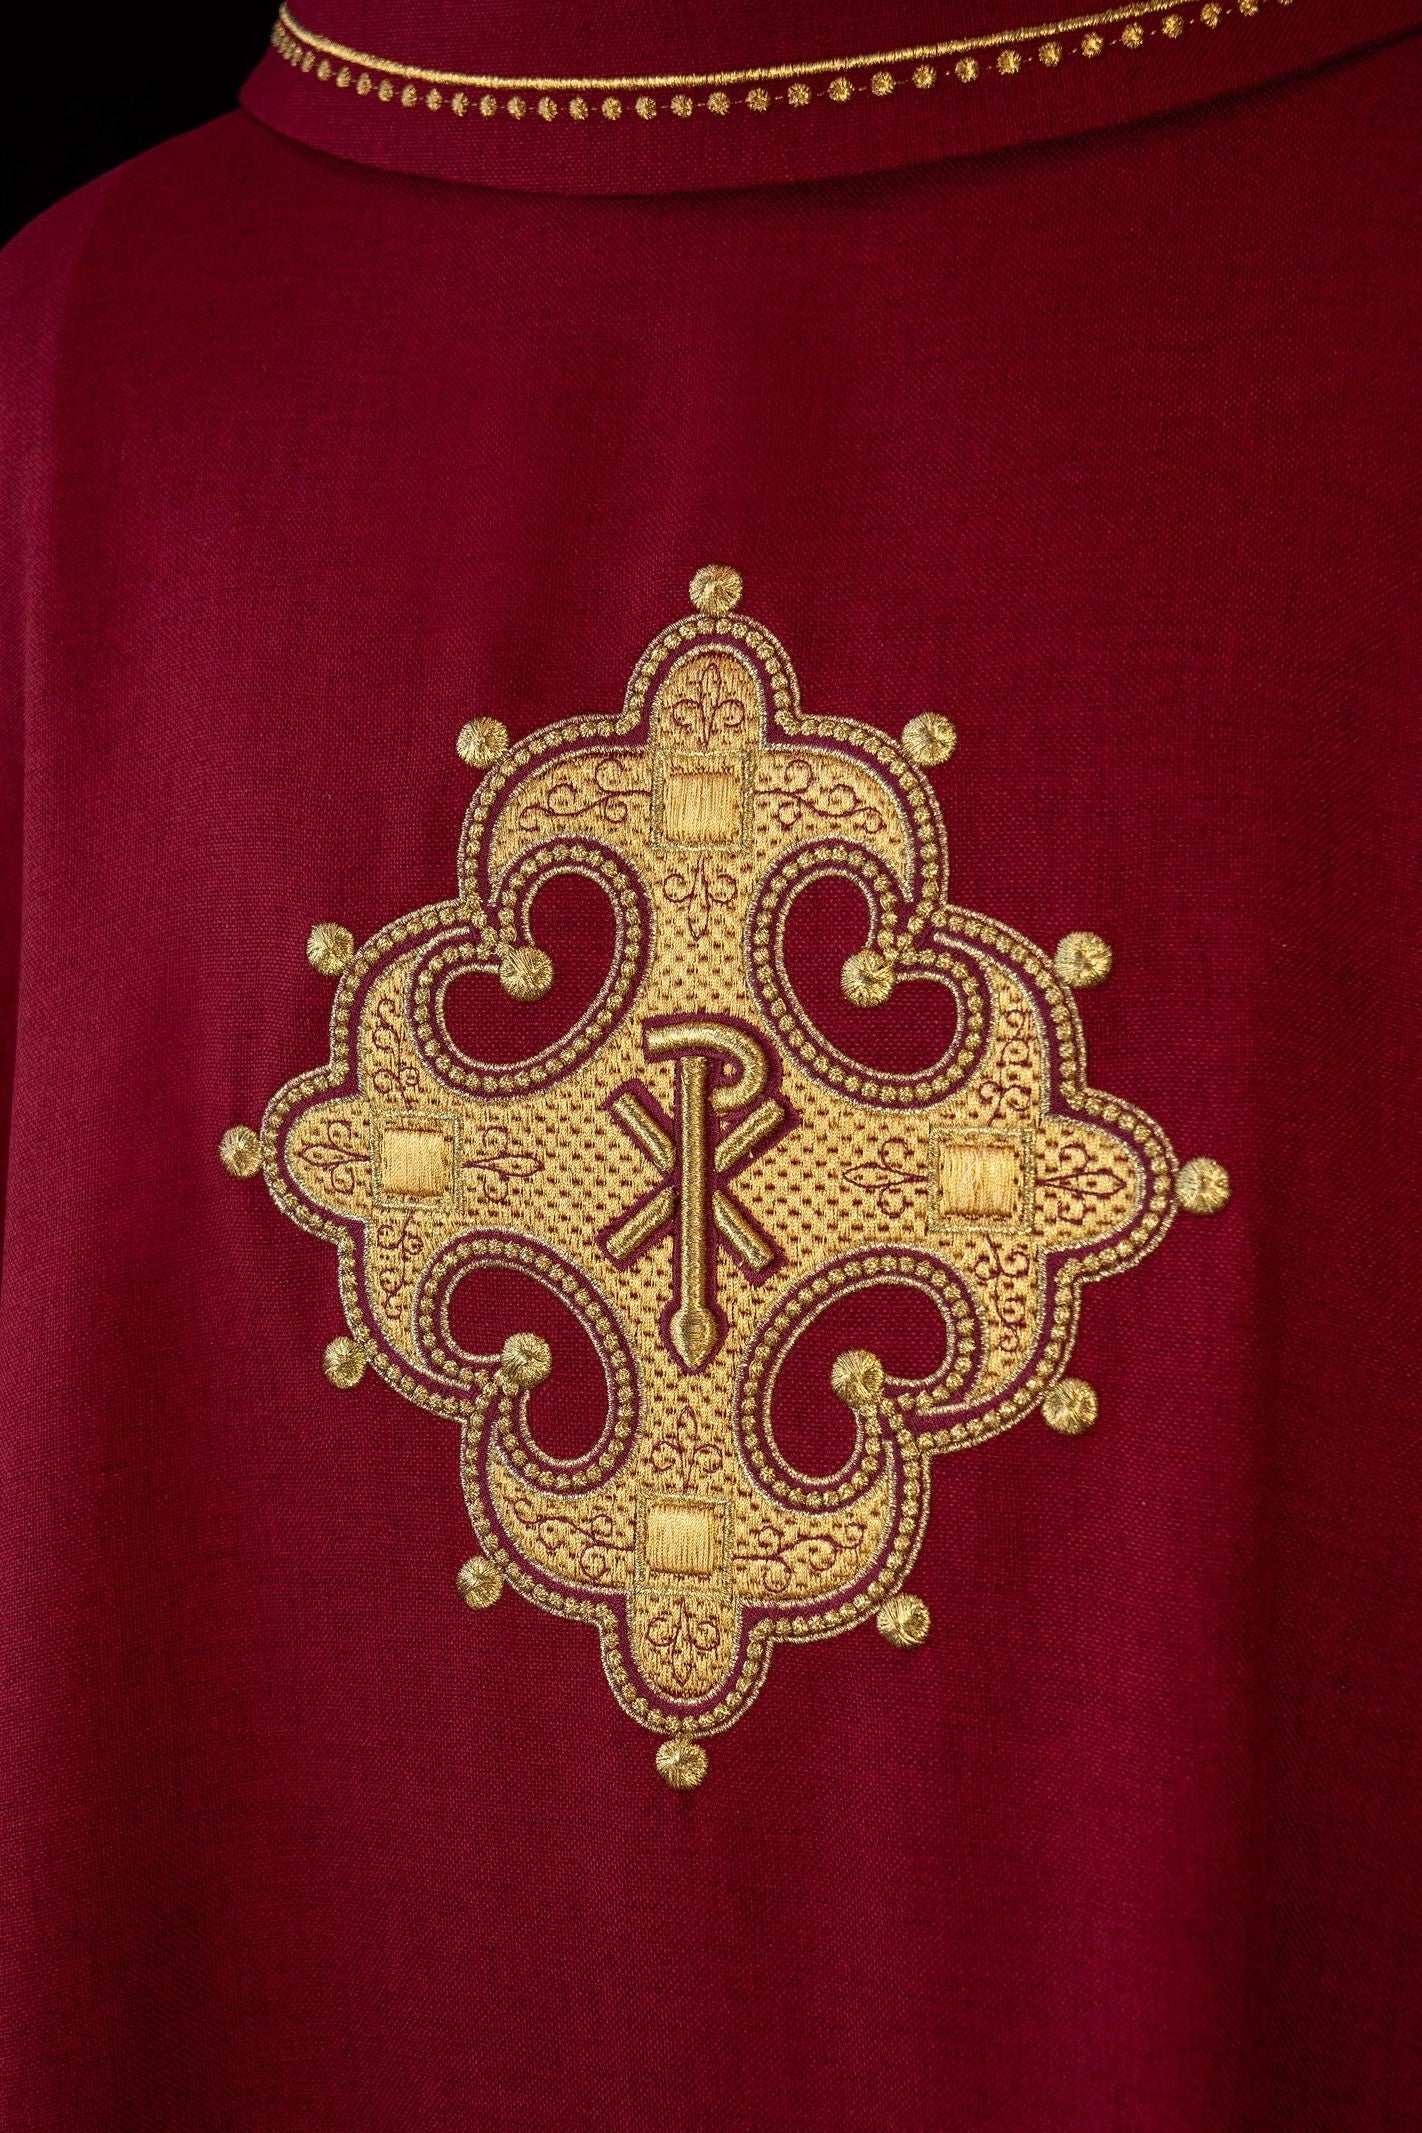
column 956, row 63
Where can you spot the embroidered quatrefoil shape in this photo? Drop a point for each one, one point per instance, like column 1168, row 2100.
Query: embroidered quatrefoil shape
column 697, row 1173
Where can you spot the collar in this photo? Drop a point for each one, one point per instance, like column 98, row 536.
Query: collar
column 623, row 96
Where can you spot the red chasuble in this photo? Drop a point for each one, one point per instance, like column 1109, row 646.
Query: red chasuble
column 710, row 1343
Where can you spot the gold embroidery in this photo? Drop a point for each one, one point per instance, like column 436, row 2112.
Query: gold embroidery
column 878, row 71
column 904, row 1621
column 417, row 1162
column 1083, row 960
column 479, row 1582
column 240, row 1152
column 1202, row 1187
column 329, row 948
column 525, row 973
column 696, row 1172
column 930, row 738
column 982, row 1179
column 343, row 1362
column 1070, row 1407
column 482, row 742
column 682, row 1763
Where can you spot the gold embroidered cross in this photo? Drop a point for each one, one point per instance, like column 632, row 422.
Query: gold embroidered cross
column 695, row 1159
column 785, row 1173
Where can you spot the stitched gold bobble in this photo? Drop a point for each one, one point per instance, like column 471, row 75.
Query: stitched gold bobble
column 716, row 589
column 525, row 1361
column 479, row 1582
column 481, row 742
column 343, row 1362
column 240, row 1152
column 867, row 978
column 904, row 1621
column 858, row 1378
column 682, row 1763
column 1202, row 1187
column 1070, row 1408
column 525, row 973
column 329, row 948
column 930, row 738
column 1083, row 960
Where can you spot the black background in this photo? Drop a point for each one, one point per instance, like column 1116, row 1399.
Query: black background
column 86, row 91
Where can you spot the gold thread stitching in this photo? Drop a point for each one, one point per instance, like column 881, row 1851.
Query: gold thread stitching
column 398, row 82
column 684, row 1536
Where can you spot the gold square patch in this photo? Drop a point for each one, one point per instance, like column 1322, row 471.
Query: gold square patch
column 416, row 1162
column 980, row 1177
column 682, row 1536
column 702, row 799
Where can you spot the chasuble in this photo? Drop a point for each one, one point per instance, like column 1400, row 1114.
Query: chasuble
column 710, row 1002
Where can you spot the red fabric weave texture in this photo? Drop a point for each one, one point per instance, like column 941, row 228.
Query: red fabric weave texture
column 1107, row 449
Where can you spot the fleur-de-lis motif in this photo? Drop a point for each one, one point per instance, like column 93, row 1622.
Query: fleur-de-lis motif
column 697, row 890
column 890, row 1176
column 709, row 706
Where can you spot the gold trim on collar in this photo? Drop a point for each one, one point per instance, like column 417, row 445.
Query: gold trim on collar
column 796, row 85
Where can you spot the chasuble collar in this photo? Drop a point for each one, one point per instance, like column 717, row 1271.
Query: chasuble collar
column 626, row 97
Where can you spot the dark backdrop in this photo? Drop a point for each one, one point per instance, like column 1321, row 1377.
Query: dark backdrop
column 76, row 100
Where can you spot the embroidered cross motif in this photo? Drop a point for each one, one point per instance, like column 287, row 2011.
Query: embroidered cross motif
column 695, row 1171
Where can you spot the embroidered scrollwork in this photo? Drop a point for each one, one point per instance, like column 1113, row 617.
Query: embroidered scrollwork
column 494, row 1162
column 596, row 788
column 776, row 1561
column 392, row 1073
column 686, row 1639
column 401, row 1242
column 798, row 793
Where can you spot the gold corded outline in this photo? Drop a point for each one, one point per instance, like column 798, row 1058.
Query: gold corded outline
column 393, row 80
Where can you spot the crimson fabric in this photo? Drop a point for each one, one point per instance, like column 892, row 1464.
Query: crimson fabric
column 1109, row 450
column 1025, row 83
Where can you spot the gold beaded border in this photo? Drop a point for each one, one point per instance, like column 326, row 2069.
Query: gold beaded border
column 958, row 62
